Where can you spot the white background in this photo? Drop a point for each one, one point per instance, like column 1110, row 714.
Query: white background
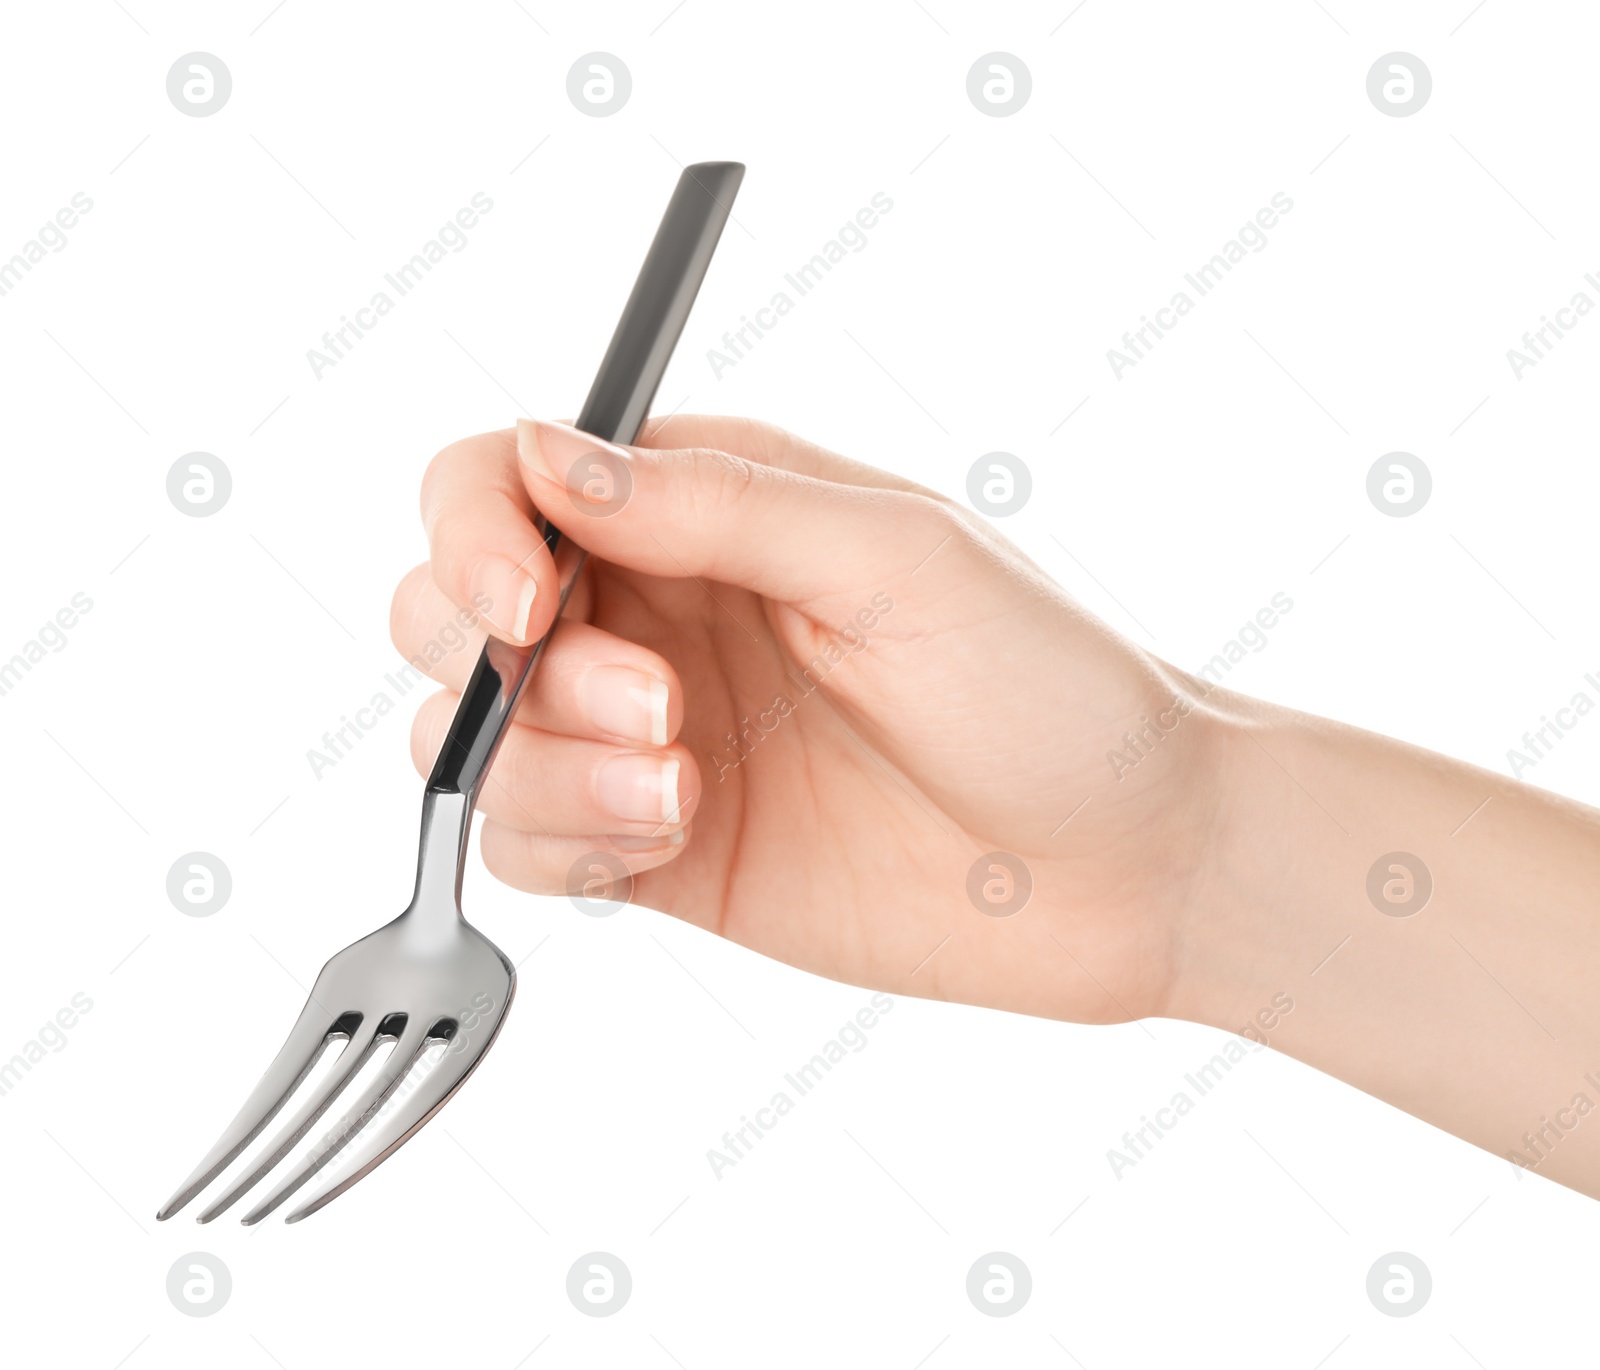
column 1227, row 466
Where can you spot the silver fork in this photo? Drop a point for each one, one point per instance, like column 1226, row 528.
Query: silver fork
column 430, row 978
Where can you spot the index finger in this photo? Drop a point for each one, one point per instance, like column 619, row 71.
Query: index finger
column 486, row 553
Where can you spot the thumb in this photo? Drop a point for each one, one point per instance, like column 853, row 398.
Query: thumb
column 704, row 513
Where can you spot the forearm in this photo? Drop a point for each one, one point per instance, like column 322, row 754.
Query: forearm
column 1475, row 1011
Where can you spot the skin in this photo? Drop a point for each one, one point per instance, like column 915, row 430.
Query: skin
column 915, row 694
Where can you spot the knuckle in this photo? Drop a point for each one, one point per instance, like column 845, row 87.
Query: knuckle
column 934, row 522
column 400, row 613
column 465, row 468
column 428, row 727
column 420, row 751
column 715, row 482
column 435, row 480
column 763, row 438
column 405, row 606
column 935, row 514
column 732, row 477
column 967, row 531
column 499, row 848
column 513, row 858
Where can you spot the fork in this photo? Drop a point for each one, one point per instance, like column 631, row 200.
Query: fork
column 429, row 978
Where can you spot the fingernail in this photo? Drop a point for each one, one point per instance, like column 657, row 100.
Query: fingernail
column 509, row 592
column 595, row 474
column 627, row 703
column 531, row 451
column 640, row 789
column 674, row 838
column 551, row 448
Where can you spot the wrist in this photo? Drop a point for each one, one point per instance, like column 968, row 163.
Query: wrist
column 1259, row 911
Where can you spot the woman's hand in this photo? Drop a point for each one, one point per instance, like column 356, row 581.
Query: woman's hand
column 829, row 715
column 800, row 699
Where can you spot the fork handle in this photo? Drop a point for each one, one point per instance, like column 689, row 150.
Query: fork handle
column 615, row 410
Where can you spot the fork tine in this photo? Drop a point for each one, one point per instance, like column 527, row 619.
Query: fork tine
column 307, row 1040
column 363, row 1043
column 389, row 1134
column 412, row 1042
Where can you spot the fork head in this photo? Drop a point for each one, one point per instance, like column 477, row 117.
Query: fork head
column 428, row 984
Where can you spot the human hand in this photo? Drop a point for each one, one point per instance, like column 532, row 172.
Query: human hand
column 809, row 704
column 800, row 698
